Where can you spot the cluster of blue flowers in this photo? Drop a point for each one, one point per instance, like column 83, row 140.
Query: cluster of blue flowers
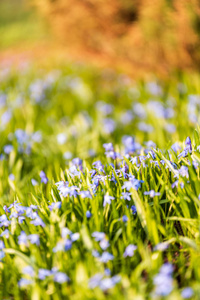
column 107, row 213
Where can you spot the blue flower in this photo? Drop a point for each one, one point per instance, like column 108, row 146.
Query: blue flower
column 124, row 218
column 11, row 177
column 55, row 205
column 105, row 257
column 61, row 277
column 68, row 244
column 43, row 177
column 8, row 149
column 152, row 193
column 95, row 280
column 43, row 273
column 134, row 210
column 24, row 282
column 163, row 281
column 34, row 239
column 28, row 271
column 2, row 255
column 129, row 251
column 34, row 182
column 104, row 244
column 23, row 239
column 126, row 196
column 88, row 214
column 107, row 200
column 99, row 236
column 187, row 293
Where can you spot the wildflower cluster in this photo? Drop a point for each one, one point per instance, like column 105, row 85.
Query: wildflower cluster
column 99, row 198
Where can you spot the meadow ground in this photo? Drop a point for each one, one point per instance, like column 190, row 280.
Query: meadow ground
column 99, row 185
column 99, row 176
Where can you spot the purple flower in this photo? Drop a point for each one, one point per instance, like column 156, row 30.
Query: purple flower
column 104, row 244
column 38, row 222
column 108, row 147
column 145, row 127
column 24, row 282
column 43, row 273
column 161, row 246
column 132, row 183
column 34, row 182
column 126, row 196
column 98, row 236
column 5, row 118
column 129, row 251
column 167, row 269
column 2, row 255
column 11, row 177
column 188, row 148
column 34, row 239
column 108, row 283
column 29, row 271
column 65, row 232
column 95, row 253
column 75, row 236
column 124, row 218
column 108, row 125
column 163, row 280
column 105, row 257
column 175, row 147
column 183, row 171
column 8, row 148
column 61, row 277
column 55, row 205
column 95, row 280
column 67, row 244
column 43, row 177
column 85, row 194
column 78, row 163
column 188, row 144
column 107, row 200
column 134, row 210
column 187, row 293
column 23, row 239
column 59, row 247
column 88, row 214
column 5, row 233
column 152, row 193
column 2, row 246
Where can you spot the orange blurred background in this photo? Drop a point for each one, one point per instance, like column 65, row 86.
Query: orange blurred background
column 132, row 36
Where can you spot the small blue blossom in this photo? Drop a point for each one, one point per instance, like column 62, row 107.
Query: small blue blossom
column 88, row 214
column 152, row 193
column 43, row 273
column 11, row 177
column 34, row 182
column 28, row 271
column 134, row 209
column 61, row 277
column 107, row 200
column 129, row 251
column 124, row 218
column 24, row 282
column 43, row 177
column 34, row 239
column 187, row 293
column 105, row 257
column 99, row 236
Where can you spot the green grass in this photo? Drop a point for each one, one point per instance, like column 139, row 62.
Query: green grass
column 66, row 100
column 20, row 25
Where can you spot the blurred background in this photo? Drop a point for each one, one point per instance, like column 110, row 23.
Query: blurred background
column 136, row 37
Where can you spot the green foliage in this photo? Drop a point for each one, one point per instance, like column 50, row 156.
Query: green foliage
column 165, row 228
